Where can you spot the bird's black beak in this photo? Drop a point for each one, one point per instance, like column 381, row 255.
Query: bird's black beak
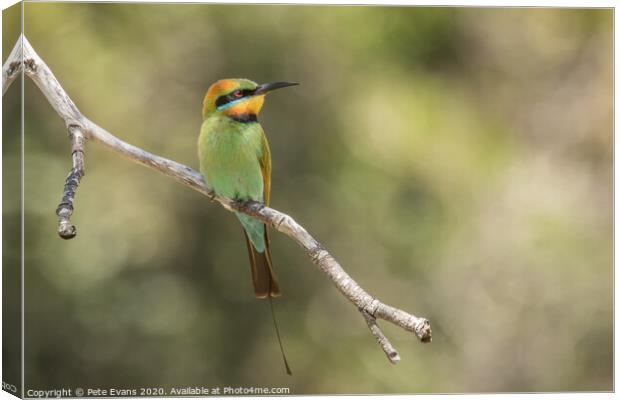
column 268, row 87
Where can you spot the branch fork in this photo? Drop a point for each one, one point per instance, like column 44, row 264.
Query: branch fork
column 24, row 59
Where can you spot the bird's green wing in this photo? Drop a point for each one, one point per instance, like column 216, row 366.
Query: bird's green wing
column 265, row 165
column 265, row 282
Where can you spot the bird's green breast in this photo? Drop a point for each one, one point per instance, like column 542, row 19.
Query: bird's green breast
column 229, row 153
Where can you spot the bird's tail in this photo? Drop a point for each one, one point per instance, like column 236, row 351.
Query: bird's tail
column 265, row 283
column 263, row 276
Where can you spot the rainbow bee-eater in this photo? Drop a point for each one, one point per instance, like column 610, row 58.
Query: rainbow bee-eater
column 236, row 163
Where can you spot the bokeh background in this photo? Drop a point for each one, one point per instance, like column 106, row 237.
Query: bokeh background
column 456, row 161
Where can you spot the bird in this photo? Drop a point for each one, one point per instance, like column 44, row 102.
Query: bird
column 235, row 162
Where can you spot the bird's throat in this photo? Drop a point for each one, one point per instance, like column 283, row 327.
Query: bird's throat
column 248, row 106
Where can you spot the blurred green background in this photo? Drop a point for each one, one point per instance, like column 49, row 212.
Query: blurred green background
column 456, row 161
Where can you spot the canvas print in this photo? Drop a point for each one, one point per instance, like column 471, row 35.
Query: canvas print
column 218, row 199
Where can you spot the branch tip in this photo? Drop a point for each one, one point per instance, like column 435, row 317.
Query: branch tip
column 423, row 330
column 66, row 230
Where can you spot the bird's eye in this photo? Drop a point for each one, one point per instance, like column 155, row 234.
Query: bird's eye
column 237, row 93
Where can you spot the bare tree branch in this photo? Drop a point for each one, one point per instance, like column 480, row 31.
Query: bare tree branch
column 385, row 344
column 81, row 128
column 66, row 229
column 13, row 66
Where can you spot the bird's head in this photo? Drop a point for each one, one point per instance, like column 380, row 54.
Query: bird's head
column 238, row 97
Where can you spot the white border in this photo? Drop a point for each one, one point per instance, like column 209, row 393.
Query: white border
column 480, row 3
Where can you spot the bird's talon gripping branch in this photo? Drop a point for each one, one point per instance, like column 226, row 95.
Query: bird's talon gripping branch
column 43, row 77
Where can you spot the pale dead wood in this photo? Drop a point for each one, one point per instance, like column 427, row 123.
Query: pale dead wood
column 81, row 128
column 385, row 344
column 66, row 229
column 13, row 66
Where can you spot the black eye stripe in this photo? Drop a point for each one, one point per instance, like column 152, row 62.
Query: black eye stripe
column 227, row 98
